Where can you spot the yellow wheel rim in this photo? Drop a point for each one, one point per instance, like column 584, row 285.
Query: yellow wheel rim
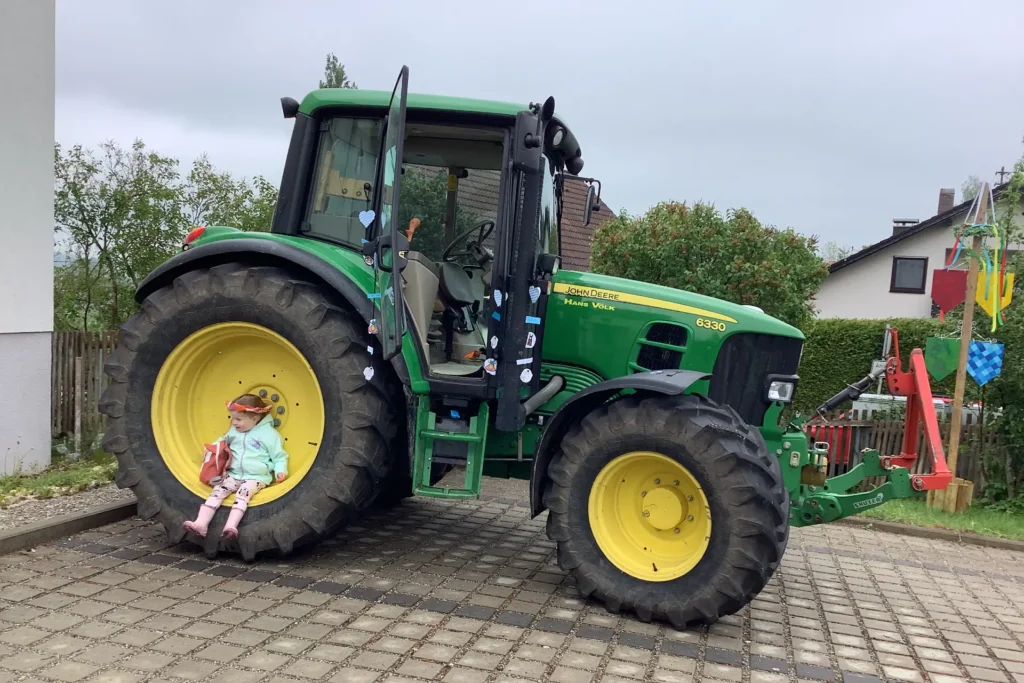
column 649, row 516
column 219, row 363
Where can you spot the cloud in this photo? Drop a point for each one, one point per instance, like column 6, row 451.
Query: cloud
column 833, row 119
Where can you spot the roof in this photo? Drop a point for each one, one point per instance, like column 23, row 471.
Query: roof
column 353, row 97
column 935, row 221
column 577, row 238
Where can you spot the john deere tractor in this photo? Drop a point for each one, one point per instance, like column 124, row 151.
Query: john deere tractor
column 407, row 314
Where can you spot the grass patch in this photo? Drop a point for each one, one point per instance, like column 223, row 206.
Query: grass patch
column 63, row 477
column 976, row 519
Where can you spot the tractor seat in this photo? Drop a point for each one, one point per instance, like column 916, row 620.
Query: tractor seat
column 457, row 285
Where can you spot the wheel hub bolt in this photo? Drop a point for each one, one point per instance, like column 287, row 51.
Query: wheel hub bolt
column 643, row 493
column 280, row 410
column 277, row 423
column 675, row 483
column 689, row 499
column 274, row 397
column 657, row 481
column 676, row 530
column 263, row 393
column 647, row 513
column 689, row 518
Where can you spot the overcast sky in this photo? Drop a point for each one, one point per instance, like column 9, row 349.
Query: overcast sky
column 831, row 119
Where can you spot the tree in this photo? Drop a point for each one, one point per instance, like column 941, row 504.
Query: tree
column 120, row 213
column 425, row 196
column 81, row 293
column 121, row 210
column 211, row 197
column 833, row 251
column 334, row 74
column 970, row 189
column 732, row 257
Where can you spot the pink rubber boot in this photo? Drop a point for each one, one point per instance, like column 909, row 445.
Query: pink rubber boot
column 231, row 528
column 199, row 526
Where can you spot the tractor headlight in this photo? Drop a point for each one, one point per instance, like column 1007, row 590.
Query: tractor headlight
column 781, row 388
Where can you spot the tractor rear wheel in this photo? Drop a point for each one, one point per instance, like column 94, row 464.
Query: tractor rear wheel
column 214, row 334
column 669, row 507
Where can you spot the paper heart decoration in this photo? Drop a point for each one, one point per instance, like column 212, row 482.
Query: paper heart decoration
column 494, row 342
column 366, row 217
column 497, row 297
column 526, row 375
column 534, row 293
column 491, row 366
column 368, row 373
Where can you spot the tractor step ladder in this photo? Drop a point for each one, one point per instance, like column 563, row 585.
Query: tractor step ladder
column 460, row 442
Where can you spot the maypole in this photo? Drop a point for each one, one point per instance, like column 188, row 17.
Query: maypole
column 986, row 283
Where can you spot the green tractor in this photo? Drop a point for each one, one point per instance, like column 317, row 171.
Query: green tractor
column 646, row 419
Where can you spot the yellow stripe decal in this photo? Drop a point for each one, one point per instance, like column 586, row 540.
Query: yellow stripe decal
column 622, row 297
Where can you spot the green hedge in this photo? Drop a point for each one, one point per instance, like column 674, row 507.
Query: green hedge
column 839, row 352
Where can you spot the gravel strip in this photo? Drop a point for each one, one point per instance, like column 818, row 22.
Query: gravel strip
column 33, row 511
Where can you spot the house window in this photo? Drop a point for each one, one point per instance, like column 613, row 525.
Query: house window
column 908, row 275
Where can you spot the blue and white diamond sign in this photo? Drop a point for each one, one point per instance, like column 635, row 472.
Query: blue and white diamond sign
column 984, row 361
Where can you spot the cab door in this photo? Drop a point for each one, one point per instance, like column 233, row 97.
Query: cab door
column 390, row 245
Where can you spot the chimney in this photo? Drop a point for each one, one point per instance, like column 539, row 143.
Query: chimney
column 900, row 225
column 947, row 198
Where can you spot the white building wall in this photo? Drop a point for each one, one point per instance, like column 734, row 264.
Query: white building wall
column 861, row 290
column 26, row 230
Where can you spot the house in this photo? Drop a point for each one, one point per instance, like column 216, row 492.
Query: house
column 893, row 278
column 577, row 238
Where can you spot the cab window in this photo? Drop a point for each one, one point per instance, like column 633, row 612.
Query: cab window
column 346, row 165
column 548, row 228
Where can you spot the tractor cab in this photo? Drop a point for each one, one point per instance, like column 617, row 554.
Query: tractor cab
column 465, row 205
column 448, row 212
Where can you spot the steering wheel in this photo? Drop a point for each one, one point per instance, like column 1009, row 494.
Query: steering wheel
column 485, row 227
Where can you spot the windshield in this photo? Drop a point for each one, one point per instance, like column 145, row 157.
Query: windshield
column 425, row 195
column 447, row 171
column 451, row 173
column 346, row 164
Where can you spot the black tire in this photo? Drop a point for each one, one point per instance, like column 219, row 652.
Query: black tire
column 742, row 481
column 364, row 419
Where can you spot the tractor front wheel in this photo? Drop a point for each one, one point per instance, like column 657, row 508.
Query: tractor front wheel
column 217, row 333
column 669, row 507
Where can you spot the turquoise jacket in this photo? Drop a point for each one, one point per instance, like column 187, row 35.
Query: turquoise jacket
column 256, row 454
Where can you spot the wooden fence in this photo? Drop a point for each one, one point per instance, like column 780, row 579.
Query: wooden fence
column 87, row 351
column 850, row 435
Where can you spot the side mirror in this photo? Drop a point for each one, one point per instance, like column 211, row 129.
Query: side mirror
column 593, row 203
column 289, row 107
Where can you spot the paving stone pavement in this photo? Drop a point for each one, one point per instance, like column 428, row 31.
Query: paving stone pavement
column 468, row 592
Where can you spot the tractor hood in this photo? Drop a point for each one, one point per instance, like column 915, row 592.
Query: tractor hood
column 611, row 290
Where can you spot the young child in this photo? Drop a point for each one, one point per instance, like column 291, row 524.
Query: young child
column 257, row 461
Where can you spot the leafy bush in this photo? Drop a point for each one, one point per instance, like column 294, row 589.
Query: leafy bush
column 732, row 257
column 839, row 351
